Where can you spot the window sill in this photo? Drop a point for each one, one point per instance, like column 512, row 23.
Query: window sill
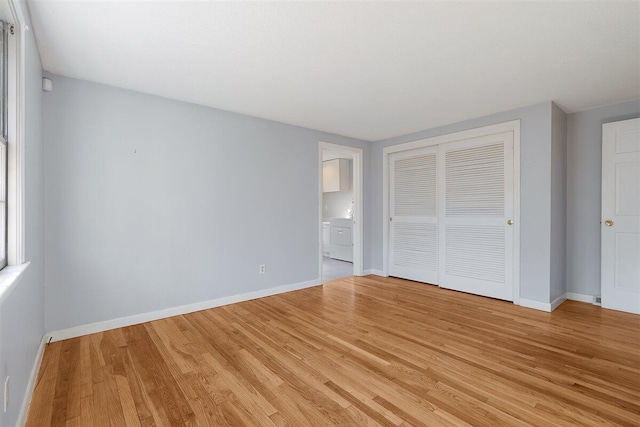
column 9, row 278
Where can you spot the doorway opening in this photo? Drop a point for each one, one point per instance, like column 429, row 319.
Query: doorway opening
column 340, row 211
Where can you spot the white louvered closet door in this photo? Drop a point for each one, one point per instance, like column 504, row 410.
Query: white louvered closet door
column 475, row 184
column 413, row 229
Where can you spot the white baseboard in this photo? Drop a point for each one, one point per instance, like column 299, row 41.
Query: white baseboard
column 580, row 297
column 374, row 272
column 121, row 322
column 31, row 384
column 537, row 305
column 556, row 302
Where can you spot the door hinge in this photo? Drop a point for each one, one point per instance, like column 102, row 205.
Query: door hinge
column 12, row 30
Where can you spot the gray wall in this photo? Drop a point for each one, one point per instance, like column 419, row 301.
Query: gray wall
column 584, row 168
column 153, row 203
column 535, row 194
column 22, row 313
column 558, row 285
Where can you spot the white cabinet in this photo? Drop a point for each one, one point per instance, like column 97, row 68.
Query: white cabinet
column 326, row 238
column 336, row 175
column 340, row 246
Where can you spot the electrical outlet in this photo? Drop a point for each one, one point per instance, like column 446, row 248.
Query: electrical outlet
column 6, row 394
column 262, row 268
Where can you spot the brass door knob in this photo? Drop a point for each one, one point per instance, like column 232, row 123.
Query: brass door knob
column 510, row 222
column 608, row 223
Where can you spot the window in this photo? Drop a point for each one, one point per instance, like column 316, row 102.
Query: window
column 12, row 131
column 3, row 142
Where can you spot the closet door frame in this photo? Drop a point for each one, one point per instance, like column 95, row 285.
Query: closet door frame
column 510, row 126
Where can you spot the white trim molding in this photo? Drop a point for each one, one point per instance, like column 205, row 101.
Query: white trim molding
column 543, row 306
column 31, row 384
column 135, row 319
column 374, row 272
column 9, row 278
column 16, row 91
column 536, row 305
column 573, row 296
column 510, row 126
column 556, row 302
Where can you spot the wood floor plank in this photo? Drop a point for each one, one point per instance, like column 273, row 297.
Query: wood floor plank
column 365, row 351
column 40, row 414
column 153, row 369
column 63, row 390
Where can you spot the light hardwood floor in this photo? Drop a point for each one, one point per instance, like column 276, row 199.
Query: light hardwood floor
column 357, row 351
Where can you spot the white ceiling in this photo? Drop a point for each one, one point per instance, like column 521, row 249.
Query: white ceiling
column 362, row 69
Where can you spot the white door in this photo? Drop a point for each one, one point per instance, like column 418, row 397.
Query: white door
column 413, row 231
column 475, row 185
column 620, row 251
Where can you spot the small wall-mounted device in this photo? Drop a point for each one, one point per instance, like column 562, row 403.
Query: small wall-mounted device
column 47, row 84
